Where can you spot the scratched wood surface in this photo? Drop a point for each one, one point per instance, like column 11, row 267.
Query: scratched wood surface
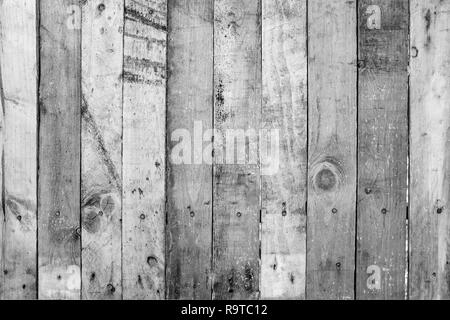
column 283, row 185
column 59, row 245
column 189, row 177
column 101, row 163
column 382, row 149
column 18, row 134
column 332, row 149
column 224, row 149
column 430, row 150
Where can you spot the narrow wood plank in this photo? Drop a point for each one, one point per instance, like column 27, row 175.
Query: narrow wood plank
column 189, row 190
column 101, row 180
column 332, row 149
column 18, row 137
column 236, row 203
column 430, row 150
column 382, row 149
column 284, row 73
column 59, row 150
column 144, row 128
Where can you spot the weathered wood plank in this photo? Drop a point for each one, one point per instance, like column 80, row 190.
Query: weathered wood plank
column 236, row 203
column 283, row 187
column 430, row 150
column 332, row 149
column 59, row 150
column 144, row 128
column 382, row 149
column 18, row 137
column 189, row 190
column 101, row 163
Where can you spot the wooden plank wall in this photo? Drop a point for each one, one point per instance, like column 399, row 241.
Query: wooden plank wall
column 224, row 149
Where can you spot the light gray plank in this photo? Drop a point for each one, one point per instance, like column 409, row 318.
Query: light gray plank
column 18, row 137
column 144, row 130
column 283, row 186
column 430, row 150
column 101, row 163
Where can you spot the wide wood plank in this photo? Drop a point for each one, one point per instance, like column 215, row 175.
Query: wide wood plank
column 190, row 112
column 144, row 129
column 236, row 203
column 101, row 163
column 59, row 150
column 430, row 150
column 18, row 137
column 283, row 186
column 332, row 149
column 382, row 149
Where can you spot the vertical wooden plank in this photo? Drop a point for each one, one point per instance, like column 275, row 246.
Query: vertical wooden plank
column 101, row 180
column 236, row 203
column 18, row 135
column 144, row 117
column 382, row 148
column 189, row 190
column 59, row 150
column 284, row 73
column 332, row 149
column 430, row 150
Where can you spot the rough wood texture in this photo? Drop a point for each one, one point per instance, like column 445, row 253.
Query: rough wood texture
column 430, row 150
column 332, row 149
column 59, row 150
column 237, row 81
column 382, row 149
column 283, row 257
column 101, row 180
column 144, row 117
column 189, row 190
column 18, row 135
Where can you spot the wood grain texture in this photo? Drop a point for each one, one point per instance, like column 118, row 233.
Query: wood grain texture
column 430, row 150
column 189, row 189
column 18, row 136
column 236, row 203
column 332, row 149
column 382, row 149
column 284, row 75
column 101, row 163
column 59, row 230
column 144, row 129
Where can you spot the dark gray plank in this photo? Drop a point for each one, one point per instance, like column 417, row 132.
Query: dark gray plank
column 59, row 150
column 189, row 189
